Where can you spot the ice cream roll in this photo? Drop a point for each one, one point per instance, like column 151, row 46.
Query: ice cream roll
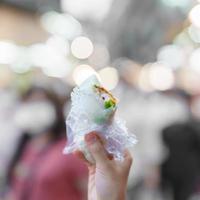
column 99, row 103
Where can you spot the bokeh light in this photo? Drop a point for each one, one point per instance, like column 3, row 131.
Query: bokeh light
column 194, row 60
column 61, row 24
column 129, row 70
column 40, row 55
column 52, row 62
column 58, row 43
column 143, row 79
column 8, row 52
column 59, row 71
column 156, row 76
column 188, row 79
column 172, row 55
column 161, row 77
column 109, row 77
column 194, row 33
column 82, row 47
column 87, row 9
column 82, row 72
column 22, row 62
column 194, row 16
column 100, row 57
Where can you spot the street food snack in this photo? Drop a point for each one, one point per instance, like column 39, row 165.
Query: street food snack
column 93, row 109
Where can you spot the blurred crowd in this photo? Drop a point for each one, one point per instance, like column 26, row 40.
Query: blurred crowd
column 146, row 52
column 33, row 135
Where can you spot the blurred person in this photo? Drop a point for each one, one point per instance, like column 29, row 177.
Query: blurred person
column 107, row 177
column 8, row 132
column 39, row 170
column 180, row 172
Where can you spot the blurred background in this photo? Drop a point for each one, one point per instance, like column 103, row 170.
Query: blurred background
column 147, row 52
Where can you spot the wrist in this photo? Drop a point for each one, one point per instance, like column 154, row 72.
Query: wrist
column 117, row 196
column 122, row 196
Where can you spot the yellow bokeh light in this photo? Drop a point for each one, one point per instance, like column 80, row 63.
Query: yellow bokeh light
column 143, row 78
column 156, row 76
column 109, row 77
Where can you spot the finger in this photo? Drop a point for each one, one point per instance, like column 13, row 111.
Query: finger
column 127, row 159
column 96, row 148
column 110, row 156
column 81, row 156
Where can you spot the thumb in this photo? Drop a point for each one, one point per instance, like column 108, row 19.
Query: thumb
column 96, row 148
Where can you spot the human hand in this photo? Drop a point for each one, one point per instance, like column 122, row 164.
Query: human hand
column 107, row 177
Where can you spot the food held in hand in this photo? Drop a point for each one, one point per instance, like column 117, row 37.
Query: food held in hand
column 93, row 109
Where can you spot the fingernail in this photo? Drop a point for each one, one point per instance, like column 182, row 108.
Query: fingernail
column 90, row 138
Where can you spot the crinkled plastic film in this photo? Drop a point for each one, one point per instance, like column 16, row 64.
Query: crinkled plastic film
column 80, row 122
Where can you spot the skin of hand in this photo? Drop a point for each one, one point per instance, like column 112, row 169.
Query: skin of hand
column 107, row 177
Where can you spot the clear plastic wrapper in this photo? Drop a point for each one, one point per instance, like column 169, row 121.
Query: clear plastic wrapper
column 93, row 109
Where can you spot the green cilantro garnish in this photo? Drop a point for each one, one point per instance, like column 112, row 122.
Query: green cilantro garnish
column 109, row 104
